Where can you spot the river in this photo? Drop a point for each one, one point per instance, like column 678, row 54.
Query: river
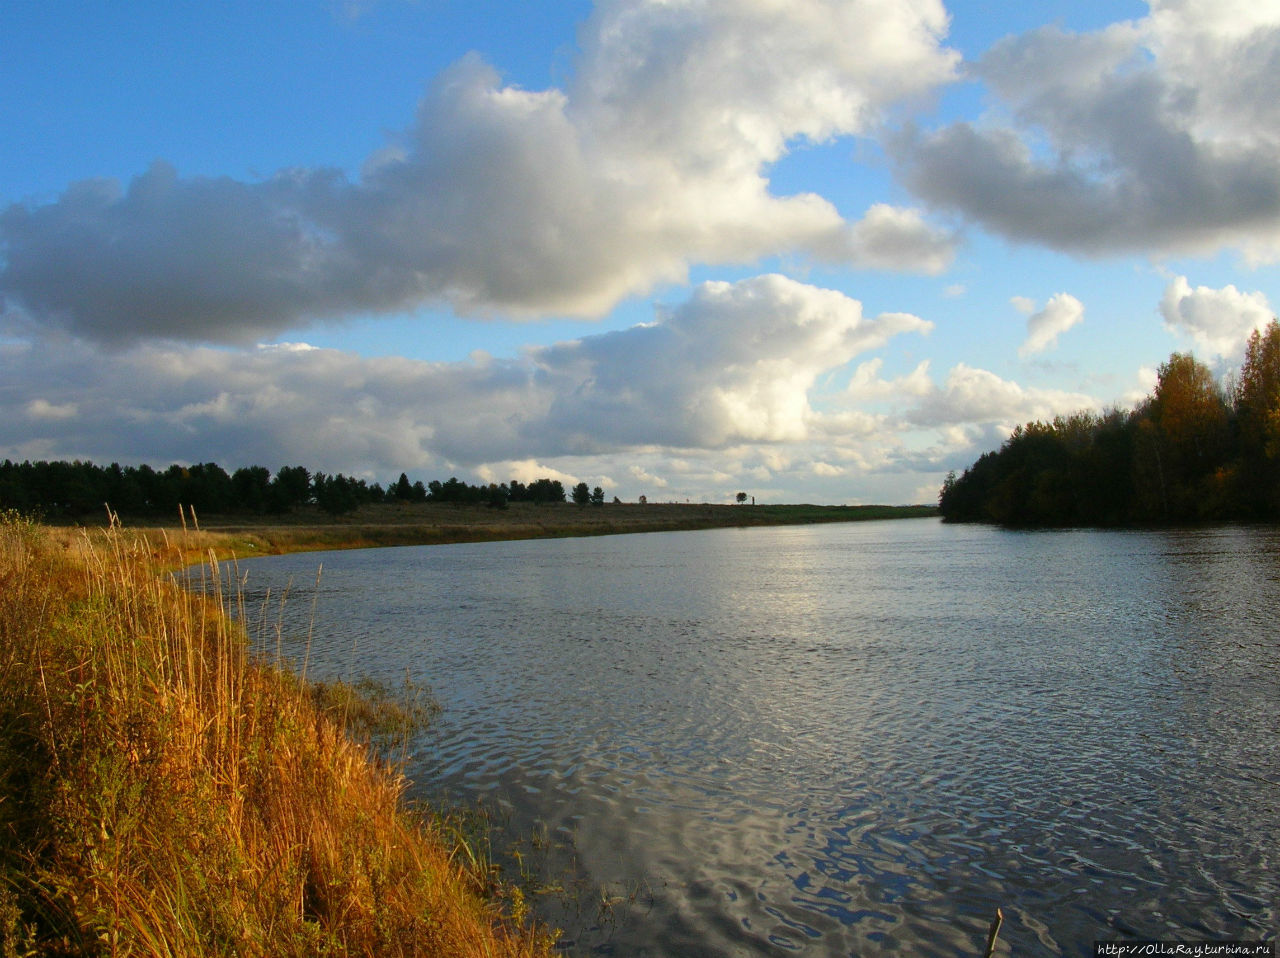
column 842, row 739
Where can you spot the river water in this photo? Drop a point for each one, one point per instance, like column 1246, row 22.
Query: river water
column 843, row 739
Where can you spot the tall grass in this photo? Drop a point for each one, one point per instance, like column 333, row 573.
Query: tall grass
column 162, row 792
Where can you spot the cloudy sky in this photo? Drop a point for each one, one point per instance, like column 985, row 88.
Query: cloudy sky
column 815, row 250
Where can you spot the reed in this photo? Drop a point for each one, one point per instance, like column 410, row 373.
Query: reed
column 164, row 791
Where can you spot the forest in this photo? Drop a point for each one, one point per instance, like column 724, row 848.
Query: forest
column 1195, row 450
column 69, row 490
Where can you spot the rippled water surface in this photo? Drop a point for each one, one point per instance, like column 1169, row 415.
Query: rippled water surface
column 845, row 739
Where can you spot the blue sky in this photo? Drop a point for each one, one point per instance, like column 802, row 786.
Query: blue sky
column 819, row 251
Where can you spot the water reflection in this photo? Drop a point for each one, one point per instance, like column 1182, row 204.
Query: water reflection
column 849, row 739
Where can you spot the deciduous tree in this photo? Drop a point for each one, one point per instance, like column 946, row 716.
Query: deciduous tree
column 1182, row 441
column 1257, row 404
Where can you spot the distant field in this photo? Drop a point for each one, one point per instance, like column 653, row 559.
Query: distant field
column 430, row 523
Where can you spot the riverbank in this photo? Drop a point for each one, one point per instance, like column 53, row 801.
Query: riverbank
column 162, row 792
column 437, row 523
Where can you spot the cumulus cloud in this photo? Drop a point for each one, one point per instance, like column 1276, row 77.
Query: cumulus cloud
column 976, row 397
column 526, row 471
column 851, row 424
column 733, row 364
column 645, row 478
column 866, row 384
column 889, row 237
column 1045, row 326
column 1218, row 320
column 1141, row 388
column 1155, row 134
column 498, row 199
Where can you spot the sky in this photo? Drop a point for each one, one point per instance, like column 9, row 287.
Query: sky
column 816, row 251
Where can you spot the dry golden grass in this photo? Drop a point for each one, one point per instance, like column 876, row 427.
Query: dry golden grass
column 162, row 793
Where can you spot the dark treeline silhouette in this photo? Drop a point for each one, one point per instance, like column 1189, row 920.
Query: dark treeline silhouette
column 74, row 489
column 582, row 495
column 1192, row 451
column 540, row 490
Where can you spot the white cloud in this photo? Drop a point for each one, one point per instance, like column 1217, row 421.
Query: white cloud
column 977, row 397
column 1044, row 327
column 866, row 384
column 927, row 493
column 733, row 364
column 1145, row 381
column 523, row 470
column 727, row 82
column 43, row 409
column 504, row 200
column 1157, row 134
column 851, row 425
column 645, row 478
column 892, row 238
column 287, row 347
column 1218, row 320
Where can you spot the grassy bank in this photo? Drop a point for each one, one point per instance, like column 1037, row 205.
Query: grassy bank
column 163, row 793
column 435, row 523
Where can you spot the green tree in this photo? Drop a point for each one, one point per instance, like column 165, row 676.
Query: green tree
column 251, row 488
column 208, row 488
column 1075, row 470
column 290, row 488
column 402, row 491
column 545, row 490
column 123, row 491
column 597, row 496
column 948, row 491
column 581, row 494
column 336, row 495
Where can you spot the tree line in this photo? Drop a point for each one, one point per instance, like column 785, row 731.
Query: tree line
column 1194, row 450
column 74, row 489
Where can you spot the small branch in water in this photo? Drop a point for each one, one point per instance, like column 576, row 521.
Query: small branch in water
column 992, row 933
column 1264, row 781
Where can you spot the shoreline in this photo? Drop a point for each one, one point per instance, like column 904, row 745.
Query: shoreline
column 381, row 526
